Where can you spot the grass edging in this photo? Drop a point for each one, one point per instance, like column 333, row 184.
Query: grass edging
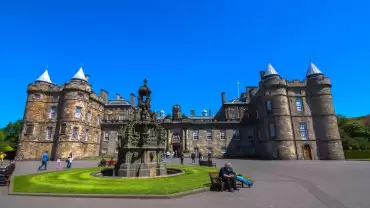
column 197, row 176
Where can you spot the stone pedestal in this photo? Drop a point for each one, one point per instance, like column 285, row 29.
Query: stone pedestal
column 142, row 170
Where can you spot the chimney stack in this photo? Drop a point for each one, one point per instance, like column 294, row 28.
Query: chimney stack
column 132, row 99
column 192, row 112
column 118, row 97
column 223, row 97
column 104, row 95
column 209, row 112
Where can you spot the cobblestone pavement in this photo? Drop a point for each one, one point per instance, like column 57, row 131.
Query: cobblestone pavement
column 279, row 184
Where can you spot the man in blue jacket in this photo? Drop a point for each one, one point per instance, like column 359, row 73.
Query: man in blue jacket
column 227, row 175
column 44, row 161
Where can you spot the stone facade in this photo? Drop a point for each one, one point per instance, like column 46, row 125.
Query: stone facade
column 279, row 119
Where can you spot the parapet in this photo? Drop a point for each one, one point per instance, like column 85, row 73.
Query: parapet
column 297, row 83
column 78, row 85
column 43, row 87
column 319, row 80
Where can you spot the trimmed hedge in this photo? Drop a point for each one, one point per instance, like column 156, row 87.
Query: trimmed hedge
column 357, row 154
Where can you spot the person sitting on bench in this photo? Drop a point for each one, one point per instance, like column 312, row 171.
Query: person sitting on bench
column 227, row 175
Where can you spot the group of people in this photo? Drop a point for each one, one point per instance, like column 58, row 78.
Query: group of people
column 58, row 166
column 103, row 162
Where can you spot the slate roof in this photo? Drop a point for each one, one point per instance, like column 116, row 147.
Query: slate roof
column 312, row 69
column 80, row 75
column 270, row 71
column 44, row 77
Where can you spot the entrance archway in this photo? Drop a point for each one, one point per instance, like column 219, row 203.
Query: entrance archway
column 306, row 149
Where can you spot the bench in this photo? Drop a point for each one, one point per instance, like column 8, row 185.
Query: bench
column 207, row 163
column 217, row 184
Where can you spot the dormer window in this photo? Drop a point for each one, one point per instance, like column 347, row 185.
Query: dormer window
column 78, row 112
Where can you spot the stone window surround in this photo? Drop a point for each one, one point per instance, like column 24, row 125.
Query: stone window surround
column 36, row 96
column 29, row 129
column 78, row 112
column 299, row 104
column 52, row 112
column 196, row 135
column 106, row 136
column 223, row 134
column 303, row 131
column 209, row 134
column 49, row 132
column 75, row 133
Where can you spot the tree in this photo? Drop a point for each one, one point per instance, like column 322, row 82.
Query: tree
column 5, row 146
column 9, row 136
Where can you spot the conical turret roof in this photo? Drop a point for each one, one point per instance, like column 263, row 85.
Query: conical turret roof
column 44, row 77
column 270, row 71
column 80, row 74
column 312, row 70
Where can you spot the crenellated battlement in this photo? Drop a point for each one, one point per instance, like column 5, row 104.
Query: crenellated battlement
column 296, row 83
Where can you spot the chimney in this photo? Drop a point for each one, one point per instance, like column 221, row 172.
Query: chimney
column 87, row 77
column 209, row 112
column 104, row 95
column 118, row 97
column 223, row 97
column 132, row 99
column 192, row 112
column 204, row 112
column 262, row 73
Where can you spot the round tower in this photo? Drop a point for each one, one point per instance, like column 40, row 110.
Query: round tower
column 277, row 123
column 325, row 124
column 39, row 118
column 75, row 116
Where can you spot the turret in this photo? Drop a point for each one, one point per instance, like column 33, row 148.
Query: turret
column 277, row 123
column 325, row 125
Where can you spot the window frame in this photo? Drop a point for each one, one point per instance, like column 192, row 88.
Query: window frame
column 299, row 104
column 75, row 137
column 303, row 133
column 272, row 134
column 52, row 112
column 209, row 134
column 78, row 115
column 47, row 136
column 269, row 106
column 223, row 134
column 196, row 135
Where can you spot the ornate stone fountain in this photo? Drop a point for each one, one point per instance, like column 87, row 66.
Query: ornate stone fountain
column 142, row 142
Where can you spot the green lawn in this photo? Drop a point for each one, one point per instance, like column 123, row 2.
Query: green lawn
column 80, row 181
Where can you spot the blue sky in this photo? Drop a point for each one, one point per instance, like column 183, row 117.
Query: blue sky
column 190, row 51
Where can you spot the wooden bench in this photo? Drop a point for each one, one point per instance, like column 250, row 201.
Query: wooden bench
column 207, row 163
column 217, row 184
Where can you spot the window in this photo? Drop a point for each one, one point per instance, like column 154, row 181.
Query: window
column 257, row 115
column 88, row 116
column 297, row 91
column 78, row 112
column 209, row 134
column 80, row 95
column 36, row 96
column 52, row 112
column 269, row 106
column 303, row 131
column 223, row 134
column 104, row 151
column 63, row 128
column 49, row 130
column 209, row 150
column 97, row 120
column 29, row 129
column 272, row 130
column 106, row 136
column 121, row 117
column 195, row 135
column 233, row 115
column 96, row 136
column 223, row 150
column 86, row 135
column 236, row 133
column 75, row 133
column 299, row 104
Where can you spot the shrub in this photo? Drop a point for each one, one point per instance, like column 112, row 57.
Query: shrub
column 357, row 154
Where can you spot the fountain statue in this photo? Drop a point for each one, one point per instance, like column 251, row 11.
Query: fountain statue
column 142, row 142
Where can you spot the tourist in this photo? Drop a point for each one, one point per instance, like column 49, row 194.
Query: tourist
column 228, row 177
column 193, row 157
column 69, row 162
column 200, row 156
column 58, row 166
column 44, row 161
column 110, row 162
column 182, row 158
column 168, row 154
column 102, row 163
column 2, row 156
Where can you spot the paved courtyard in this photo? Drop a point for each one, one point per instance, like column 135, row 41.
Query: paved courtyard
column 279, row 184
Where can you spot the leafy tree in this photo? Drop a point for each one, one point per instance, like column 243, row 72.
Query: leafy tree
column 9, row 136
column 355, row 134
column 5, row 146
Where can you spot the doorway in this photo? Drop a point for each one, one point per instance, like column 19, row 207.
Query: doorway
column 307, row 155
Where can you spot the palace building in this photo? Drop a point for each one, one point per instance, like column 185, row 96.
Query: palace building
column 278, row 119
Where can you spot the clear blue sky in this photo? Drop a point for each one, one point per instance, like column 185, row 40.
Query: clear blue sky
column 189, row 50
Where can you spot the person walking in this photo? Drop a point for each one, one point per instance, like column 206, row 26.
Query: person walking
column 44, row 161
column 58, row 165
column 182, row 158
column 193, row 157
